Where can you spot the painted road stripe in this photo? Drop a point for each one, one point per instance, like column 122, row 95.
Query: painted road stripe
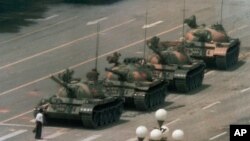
column 208, row 73
column 152, row 25
column 96, row 21
column 217, row 136
column 62, row 46
column 175, row 98
column 16, row 125
column 33, row 120
column 50, row 17
column 92, row 138
column 3, row 138
column 113, row 27
column 211, row 105
column 239, row 28
column 244, row 90
column 132, row 139
column 54, row 135
column 87, row 61
column 16, row 116
column 44, row 28
column 242, row 27
column 172, row 122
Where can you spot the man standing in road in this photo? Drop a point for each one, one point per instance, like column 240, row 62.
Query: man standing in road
column 39, row 124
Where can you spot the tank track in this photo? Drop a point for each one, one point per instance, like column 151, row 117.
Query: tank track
column 193, row 80
column 103, row 115
column 148, row 100
column 231, row 58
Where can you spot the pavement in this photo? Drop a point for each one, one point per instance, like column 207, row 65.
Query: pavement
column 66, row 38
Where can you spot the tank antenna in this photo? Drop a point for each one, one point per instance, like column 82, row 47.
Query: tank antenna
column 145, row 31
column 97, row 44
column 184, row 10
column 221, row 11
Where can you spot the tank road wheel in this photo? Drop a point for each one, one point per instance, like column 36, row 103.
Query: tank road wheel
column 117, row 113
column 198, row 81
column 96, row 118
column 188, row 85
column 148, row 101
column 104, row 117
column 109, row 116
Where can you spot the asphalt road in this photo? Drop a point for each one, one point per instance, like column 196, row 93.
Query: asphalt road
column 63, row 39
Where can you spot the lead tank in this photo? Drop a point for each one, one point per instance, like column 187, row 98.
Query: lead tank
column 169, row 57
column 212, row 44
column 86, row 102
column 136, row 82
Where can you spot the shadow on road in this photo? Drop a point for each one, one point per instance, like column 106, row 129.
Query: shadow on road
column 17, row 13
column 195, row 91
column 91, row 2
column 75, row 124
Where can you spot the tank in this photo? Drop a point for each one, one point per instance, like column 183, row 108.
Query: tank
column 83, row 101
column 183, row 73
column 212, row 44
column 136, row 82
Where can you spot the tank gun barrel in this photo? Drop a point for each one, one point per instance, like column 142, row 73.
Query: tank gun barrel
column 122, row 76
column 60, row 82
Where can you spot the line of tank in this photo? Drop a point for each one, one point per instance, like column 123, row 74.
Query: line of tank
column 142, row 83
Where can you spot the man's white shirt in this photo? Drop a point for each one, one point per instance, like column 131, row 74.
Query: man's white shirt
column 39, row 117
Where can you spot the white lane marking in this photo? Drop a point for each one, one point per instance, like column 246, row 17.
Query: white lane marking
column 92, row 138
column 54, row 135
column 217, row 136
column 16, row 125
column 27, row 84
column 244, row 90
column 87, row 61
column 3, row 138
column 113, row 27
column 208, row 73
column 63, row 45
column 33, row 120
column 139, row 52
column 44, row 28
column 211, row 105
column 152, row 24
column 172, row 122
column 132, row 139
column 239, row 28
column 242, row 27
column 50, row 17
column 16, row 116
column 175, row 98
column 96, row 21
column 47, row 18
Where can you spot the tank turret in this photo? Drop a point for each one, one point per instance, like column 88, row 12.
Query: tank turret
column 135, row 81
column 171, row 58
column 211, row 44
column 168, row 53
column 84, row 101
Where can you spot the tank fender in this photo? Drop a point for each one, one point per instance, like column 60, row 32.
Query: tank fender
column 86, row 109
column 220, row 51
column 180, row 74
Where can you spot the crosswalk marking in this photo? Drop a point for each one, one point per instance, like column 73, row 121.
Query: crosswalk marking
column 3, row 138
column 92, row 138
